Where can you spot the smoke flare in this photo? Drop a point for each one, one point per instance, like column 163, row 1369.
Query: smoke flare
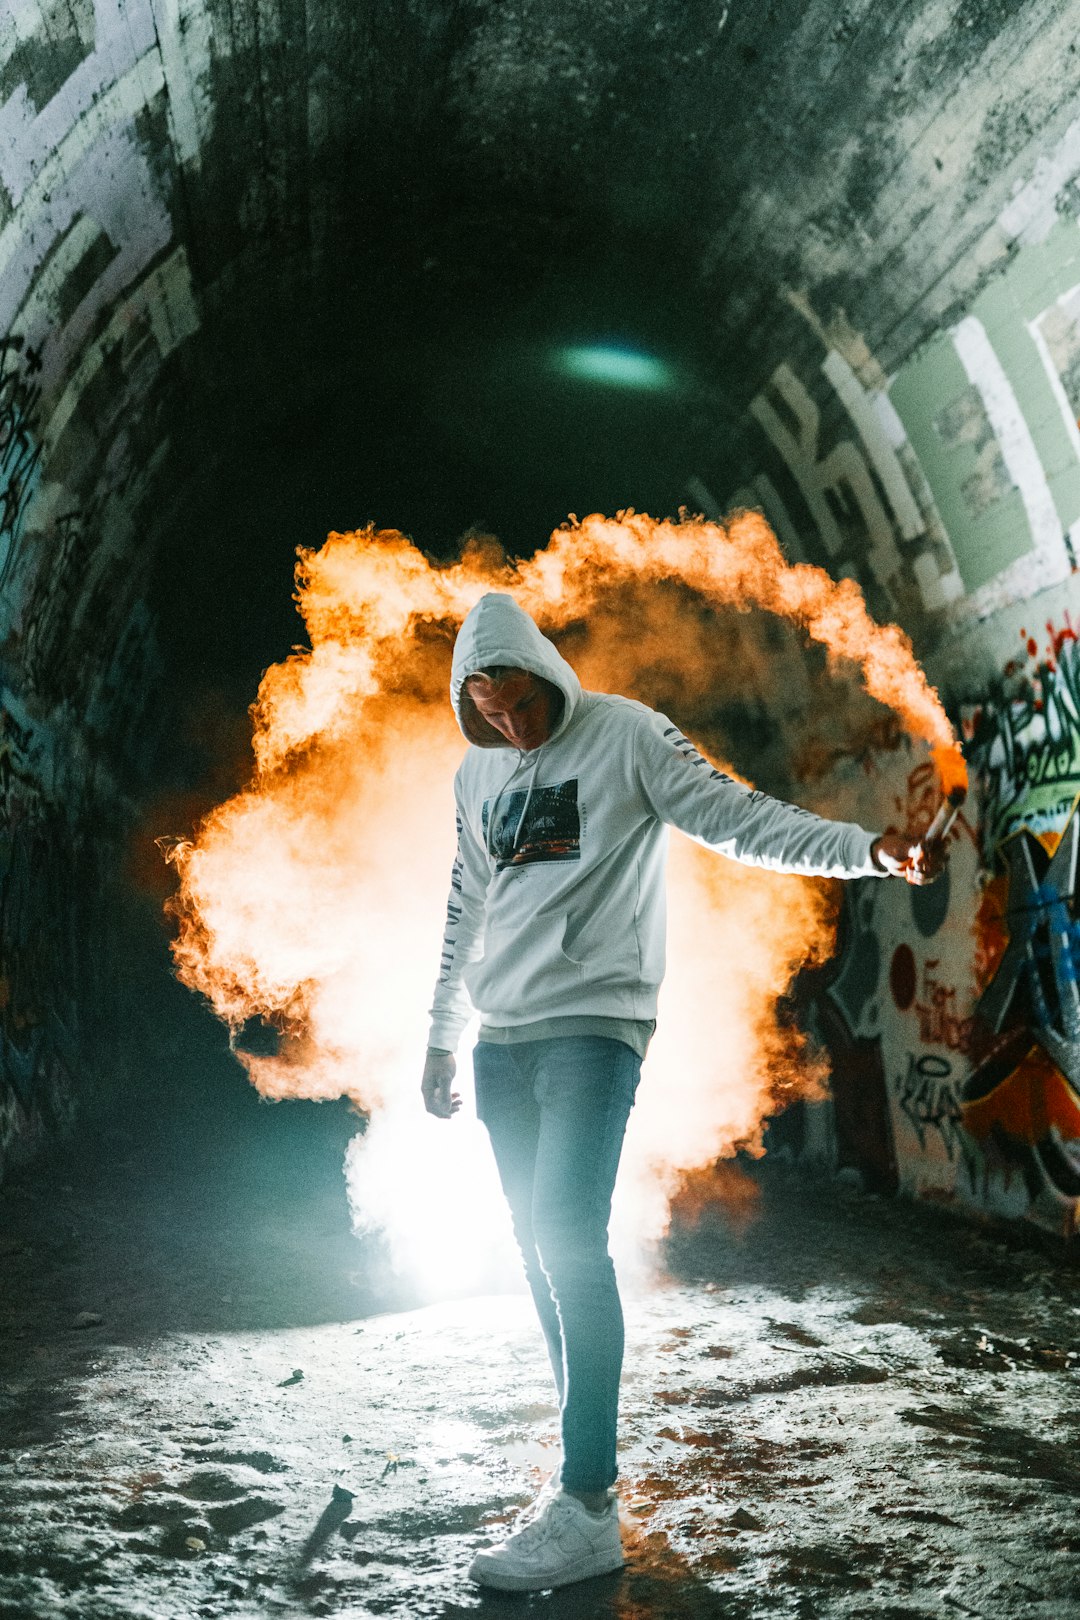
column 313, row 899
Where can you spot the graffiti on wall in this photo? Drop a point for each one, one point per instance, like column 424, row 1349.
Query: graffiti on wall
column 1021, row 1100
column 77, row 668
column 969, row 991
column 20, row 446
column 94, row 296
column 927, row 1094
column 1022, row 1097
column 952, row 488
column 1025, row 739
column 42, row 957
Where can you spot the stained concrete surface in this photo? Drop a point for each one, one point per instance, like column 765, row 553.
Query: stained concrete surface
column 213, row 1403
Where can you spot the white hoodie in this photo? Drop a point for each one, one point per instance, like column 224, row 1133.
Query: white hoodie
column 557, row 898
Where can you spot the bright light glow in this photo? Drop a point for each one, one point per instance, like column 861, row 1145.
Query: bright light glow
column 431, row 1187
column 620, row 368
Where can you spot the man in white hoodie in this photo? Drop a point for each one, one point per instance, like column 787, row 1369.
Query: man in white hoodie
column 555, row 936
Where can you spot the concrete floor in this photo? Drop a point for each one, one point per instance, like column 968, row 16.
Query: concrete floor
column 846, row 1408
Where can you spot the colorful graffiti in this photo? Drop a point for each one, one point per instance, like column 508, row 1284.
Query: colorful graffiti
column 938, row 1005
column 1025, row 739
column 1022, row 1098
column 952, row 1015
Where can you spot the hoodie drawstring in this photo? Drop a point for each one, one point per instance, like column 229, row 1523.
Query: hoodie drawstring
column 490, row 831
column 528, row 799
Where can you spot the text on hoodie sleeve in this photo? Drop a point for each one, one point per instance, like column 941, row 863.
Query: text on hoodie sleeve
column 463, row 936
column 685, row 790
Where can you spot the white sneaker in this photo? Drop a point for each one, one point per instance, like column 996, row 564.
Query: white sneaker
column 563, row 1543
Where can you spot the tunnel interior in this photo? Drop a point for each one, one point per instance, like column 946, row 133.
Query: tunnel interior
column 467, row 269
column 271, row 270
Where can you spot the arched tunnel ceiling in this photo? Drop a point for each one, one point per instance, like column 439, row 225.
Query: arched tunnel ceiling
column 267, row 235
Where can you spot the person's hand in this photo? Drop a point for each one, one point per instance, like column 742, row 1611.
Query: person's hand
column 903, row 855
column 439, row 1070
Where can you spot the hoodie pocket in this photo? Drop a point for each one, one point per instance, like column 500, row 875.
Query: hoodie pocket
column 604, row 949
column 522, row 967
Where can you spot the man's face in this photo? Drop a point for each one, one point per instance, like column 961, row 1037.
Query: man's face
column 520, row 706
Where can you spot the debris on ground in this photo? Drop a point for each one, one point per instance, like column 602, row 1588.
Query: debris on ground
column 742, row 1519
column 847, row 1410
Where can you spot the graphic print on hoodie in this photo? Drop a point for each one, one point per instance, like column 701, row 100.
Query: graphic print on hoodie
column 538, row 824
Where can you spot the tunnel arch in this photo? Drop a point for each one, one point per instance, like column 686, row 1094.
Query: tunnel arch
column 334, row 256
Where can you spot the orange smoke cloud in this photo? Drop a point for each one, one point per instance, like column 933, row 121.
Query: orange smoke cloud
column 314, row 898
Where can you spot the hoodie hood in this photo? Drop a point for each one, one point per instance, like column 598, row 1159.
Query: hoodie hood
column 497, row 631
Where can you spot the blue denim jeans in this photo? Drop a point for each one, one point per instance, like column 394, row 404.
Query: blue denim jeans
column 556, row 1112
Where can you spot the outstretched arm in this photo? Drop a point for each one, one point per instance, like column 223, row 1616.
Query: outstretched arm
column 462, row 943
column 710, row 807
